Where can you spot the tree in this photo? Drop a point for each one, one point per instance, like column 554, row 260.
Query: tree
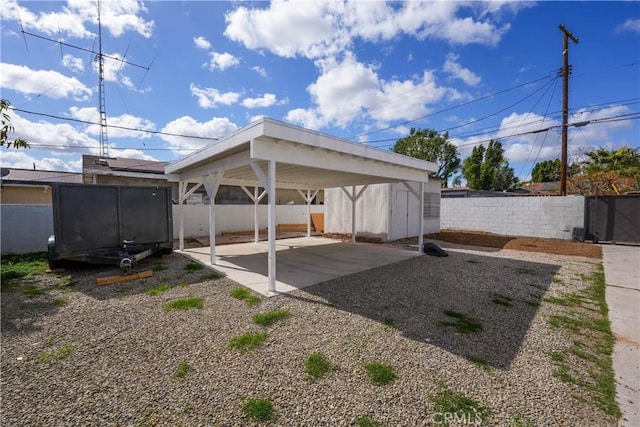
column 427, row 144
column 8, row 127
column 547, row 171
column 488, row 169
column 608, row 172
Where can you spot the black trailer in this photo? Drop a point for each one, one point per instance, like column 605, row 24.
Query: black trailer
column 109, row 224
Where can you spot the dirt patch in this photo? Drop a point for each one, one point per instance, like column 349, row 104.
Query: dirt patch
column 530, row 244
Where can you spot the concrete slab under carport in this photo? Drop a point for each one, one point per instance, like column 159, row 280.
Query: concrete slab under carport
column 301, row 262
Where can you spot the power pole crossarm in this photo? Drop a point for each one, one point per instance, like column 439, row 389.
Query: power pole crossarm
column 565, row 103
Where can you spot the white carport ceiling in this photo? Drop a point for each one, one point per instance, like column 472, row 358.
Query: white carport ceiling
column 272, row 154
column 305, row 159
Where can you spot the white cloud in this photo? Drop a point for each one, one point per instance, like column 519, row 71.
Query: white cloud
column 130, row 153
column 117, row 17
column 209, row 97
column 202, row 43
column 217, row 127
column 261, row 71
column 631, row 24
column 73, row 63
column 42, row 82
column 322, row 29
column 24, row 160
column 349, row 90
column 266, row 100
column 91, row 114
column 457, row 71
column 222, row 61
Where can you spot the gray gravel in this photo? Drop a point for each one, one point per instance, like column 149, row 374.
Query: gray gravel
column 125, row 348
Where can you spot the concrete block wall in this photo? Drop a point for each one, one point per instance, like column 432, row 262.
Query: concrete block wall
column 25, row 228
column 550, row 217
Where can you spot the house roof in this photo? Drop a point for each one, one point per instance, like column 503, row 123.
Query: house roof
column 305, row 159
column 30, row 176
column 97, row 163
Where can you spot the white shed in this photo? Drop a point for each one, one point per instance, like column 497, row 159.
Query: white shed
column 386, row 211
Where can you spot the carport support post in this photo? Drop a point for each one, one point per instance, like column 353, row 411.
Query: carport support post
column 255, row 215
column 272, row 226
column 353, row 214
column 211, row 184
column 421, row 218
column 308, row 198
column 181, row 186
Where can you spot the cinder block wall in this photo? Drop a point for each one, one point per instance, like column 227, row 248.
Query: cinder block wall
column 552, row 217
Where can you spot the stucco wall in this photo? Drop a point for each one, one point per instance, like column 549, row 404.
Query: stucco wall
column 36, row 195
column 552, row 217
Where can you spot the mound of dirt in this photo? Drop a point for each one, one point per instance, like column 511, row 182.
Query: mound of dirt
column 531, row 244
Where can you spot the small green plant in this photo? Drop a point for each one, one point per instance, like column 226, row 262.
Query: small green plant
column 503, row 300
column 211, row 276
column 59, row 354
column 317, row 366
column 32, row 291
column 185, row 304
column 521, row 421
column 160, row 289
column 270, row 317
column 367, row 421
column 158, row 267
column 526, row 271
column 187, row 409
column 473, row 261
column 183, row 369
column 481, row 363
column 462, row 323
column 389, row 321
column 380, row 373
column 247, row 341
column 18, row 266
column 60, row 302
column 67, row 281
column 193, row 266
column 245, row 295
column 447, row 402
column 259, row 409
column 557, row 356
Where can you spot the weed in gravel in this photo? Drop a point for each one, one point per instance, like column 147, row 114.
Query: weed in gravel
column 183, row 369
column 59, row 354
column 245, row 295
column 187, row 409
column 521, row 421
column 18, row 266
column 462, row 323
column 32, row 291
column 185, row 304
column 389, row 322
column 211, row 276
column 451, row 406
column 481, row 363
column 473, row 261
column 587, row 363
column 367, row 421
column 259, row 409
column 60, row 302
column 193, row 266
column 67, row 282
column 158, row 267
column 182, row 284
column 380, row 373
column 270, row 317
column 317, row 366
column 526, row 271
column 502, row 300
column 160, row 289
column 247, row 341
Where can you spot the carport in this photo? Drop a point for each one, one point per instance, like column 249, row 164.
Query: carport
column 272, row 154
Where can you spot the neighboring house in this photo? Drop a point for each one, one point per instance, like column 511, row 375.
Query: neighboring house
column 32, row 187
column 539, row 189
column 123, row 171
column 470, row 192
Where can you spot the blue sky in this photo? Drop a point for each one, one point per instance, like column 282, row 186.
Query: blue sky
column 366, row 71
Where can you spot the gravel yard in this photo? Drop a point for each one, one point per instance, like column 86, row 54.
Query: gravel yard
column 74, row 353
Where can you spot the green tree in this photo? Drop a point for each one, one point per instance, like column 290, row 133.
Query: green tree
column 8, row 127
column 427, row 144
column 547, row 171
column 624, row 161
column 488, row 169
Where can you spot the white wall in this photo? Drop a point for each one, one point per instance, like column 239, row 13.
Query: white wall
column 25, row 228
column 231, row 218
column 552, row 217
column 380, row 212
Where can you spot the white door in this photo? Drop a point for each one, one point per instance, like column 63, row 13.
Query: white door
column 400, row 215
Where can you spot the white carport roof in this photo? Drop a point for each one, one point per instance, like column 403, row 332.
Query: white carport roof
column 272, row 154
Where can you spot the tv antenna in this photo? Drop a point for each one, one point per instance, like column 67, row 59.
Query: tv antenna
column 99, row 56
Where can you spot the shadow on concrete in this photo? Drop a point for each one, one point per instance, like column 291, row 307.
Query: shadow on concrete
column 502, row 295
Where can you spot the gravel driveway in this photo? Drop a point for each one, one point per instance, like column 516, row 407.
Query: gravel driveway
column 82, row 355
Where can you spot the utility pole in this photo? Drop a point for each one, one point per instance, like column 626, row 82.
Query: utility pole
column 565, row 104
